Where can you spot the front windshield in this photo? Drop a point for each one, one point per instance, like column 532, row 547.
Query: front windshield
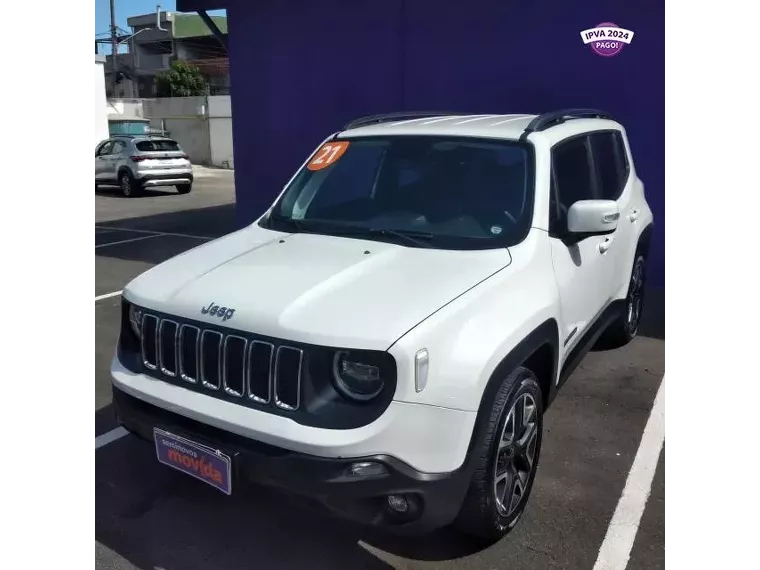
column 435, row 191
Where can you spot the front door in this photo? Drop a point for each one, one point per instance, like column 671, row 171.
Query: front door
column 583, row 268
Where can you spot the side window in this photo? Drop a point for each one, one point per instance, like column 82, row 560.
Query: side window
column 572, row 176
column 611, row 164
column 118, row 147
column 104, row 149
column 572, row 179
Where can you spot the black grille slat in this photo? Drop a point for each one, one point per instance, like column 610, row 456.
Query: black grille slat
column 259, row 371
column 189, row 337
column 287, row 377
column 167, row 346
column 235, row 365
column 211, row 350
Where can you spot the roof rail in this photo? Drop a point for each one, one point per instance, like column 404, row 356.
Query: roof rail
column 399, row 116
column 553, row 118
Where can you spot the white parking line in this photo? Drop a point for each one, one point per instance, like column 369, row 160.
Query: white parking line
column 107, row 296
column 110, row 436
column 125, row 241
column 621, row 532
column 153, row 232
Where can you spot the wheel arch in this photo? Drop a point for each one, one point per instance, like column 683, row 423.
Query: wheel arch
column 643, row 245
column 122, row 169
column 539, row 352
column 645, row 241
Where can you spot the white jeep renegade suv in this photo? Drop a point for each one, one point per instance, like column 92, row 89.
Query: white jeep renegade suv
column 386, row 338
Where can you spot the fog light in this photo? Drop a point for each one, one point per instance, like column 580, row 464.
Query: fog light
column 367, row 469
column 398, row 503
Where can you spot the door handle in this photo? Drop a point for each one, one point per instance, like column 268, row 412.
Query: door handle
column 633, row 215
column 605, row 245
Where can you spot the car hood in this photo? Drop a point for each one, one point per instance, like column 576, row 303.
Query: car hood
column 310, row 288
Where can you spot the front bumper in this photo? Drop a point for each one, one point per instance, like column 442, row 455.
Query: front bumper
column 431, row 439
column 434, row 499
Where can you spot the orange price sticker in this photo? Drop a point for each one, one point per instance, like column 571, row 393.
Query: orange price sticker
column 328, row 154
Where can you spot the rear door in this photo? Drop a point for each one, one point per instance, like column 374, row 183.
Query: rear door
column 101, row 159
column 115, row 156
column 615, row 182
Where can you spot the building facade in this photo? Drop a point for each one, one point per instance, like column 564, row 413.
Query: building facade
column 160, row 38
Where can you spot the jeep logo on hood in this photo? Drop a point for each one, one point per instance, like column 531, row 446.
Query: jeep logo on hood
column 214, row 310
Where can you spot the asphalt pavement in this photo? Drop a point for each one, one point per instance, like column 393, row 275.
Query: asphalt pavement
column 151, row 517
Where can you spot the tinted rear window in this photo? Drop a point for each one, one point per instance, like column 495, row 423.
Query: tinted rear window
column 160, row 146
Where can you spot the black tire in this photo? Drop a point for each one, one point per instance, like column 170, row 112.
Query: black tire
column 482, row 515
column 184, row 188
column 626, row 327
column 128, row 185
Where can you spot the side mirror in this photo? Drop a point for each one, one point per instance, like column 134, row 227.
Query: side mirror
column 592, row 217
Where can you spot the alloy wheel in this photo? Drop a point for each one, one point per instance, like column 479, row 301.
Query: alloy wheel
column 514, row 464
column 126, row 185
column 635, row 297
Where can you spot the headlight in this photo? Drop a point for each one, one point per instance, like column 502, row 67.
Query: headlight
column 135, row 320
column 355, row 377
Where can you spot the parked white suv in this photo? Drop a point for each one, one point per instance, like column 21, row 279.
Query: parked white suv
column 135, row 162
column 386, row 338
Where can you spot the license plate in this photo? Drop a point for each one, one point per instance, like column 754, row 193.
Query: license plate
column 200, row 461
column 166, row 162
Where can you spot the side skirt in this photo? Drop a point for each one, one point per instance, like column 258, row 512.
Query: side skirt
column 586, row 342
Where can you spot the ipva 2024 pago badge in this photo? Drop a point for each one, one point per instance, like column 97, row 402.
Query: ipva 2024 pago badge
column 607, row 39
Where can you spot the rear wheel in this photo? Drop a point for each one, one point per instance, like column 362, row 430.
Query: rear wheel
column 184, row 188
column 507, row 460
column 129, row 188
column 626, row 326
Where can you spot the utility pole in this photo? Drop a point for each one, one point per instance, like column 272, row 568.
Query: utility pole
column 114, row 49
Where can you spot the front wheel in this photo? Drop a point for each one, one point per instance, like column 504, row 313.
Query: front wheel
column 507, row 460
column 184, row 188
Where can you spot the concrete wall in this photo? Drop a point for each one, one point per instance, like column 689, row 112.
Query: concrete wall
column 186, row 120
column 220, row 131
column 301, row 69
column 201, row 125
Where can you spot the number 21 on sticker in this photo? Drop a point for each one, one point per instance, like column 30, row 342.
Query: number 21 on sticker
column 328, row 154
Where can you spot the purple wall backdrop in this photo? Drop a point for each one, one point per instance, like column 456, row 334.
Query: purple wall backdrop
column 300, row 69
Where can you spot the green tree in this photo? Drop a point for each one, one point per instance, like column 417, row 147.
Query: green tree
column 181, row 80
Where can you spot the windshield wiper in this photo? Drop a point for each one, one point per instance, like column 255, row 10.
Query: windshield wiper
column 296, row 224
column 418, row 238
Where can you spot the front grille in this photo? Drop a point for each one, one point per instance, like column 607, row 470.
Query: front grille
column 218, row 362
